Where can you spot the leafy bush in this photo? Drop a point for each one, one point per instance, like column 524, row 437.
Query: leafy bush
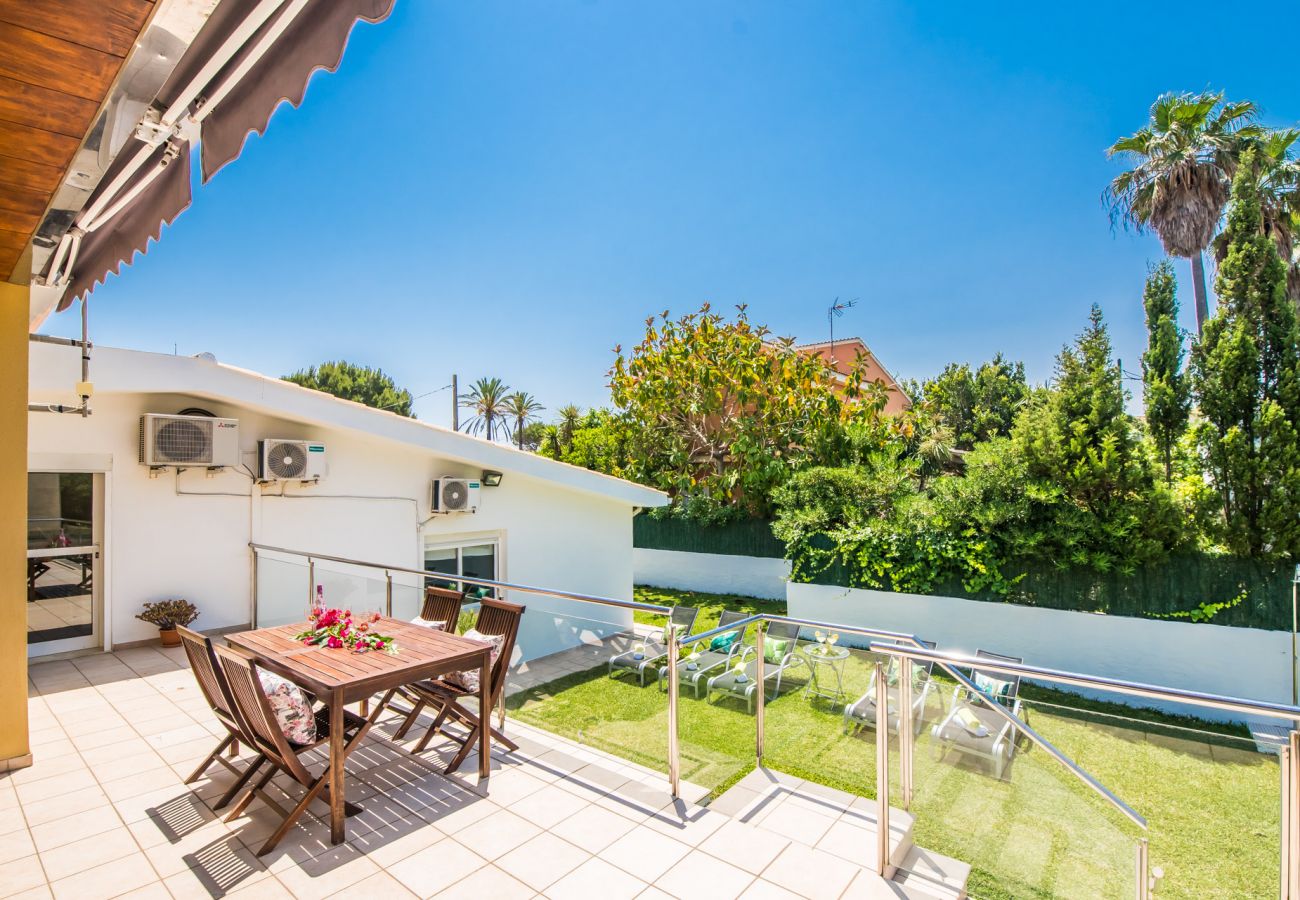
column 167, row 614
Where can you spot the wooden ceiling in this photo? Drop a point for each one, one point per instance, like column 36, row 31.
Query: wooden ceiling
column 58, row 60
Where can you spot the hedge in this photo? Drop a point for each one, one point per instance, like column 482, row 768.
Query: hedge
column 1169, row 590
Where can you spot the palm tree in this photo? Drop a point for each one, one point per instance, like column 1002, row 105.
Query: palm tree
column 1279, row 194
column 487, row 398
column 1278, row 176
column 570, row 416
column 1183, row 160
column 521, row 407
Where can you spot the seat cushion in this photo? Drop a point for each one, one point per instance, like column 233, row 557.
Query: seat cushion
column 429, row 623
column 468, row 679
column 722, row 643
column 774, row 650
column 292, row 707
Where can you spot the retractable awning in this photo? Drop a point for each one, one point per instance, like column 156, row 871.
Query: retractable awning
column 248, row 57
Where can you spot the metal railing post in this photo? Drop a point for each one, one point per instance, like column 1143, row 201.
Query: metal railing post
column 882, row 771
column 1143, row 870
column 674, row 750
column 311, row 582
column 1292, row 803
column 905, row 733
column 1285, row 863
column 252, row 610
column 388, row 593
column 760, row 726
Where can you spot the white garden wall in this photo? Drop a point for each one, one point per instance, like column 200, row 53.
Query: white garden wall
column 748, row 576
column 1242, row 662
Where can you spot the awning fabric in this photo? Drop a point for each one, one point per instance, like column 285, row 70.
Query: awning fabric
column 107, row 249
column 314, row 39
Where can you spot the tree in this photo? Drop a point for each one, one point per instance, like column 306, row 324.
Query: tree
column 1077, row 441
column 1183, row 160
column 597, row 441
column 1247, row 384
column 1000, row 392
column 361, row 384
column 487, row 398
column 1279, row 189
column 718, row 413
column 976, row 407
column 569, row 416
column 522, row 408
column 1164, row 384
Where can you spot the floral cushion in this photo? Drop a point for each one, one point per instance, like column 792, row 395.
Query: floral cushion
column 291, row 706
column 429, row 623
column 469, row 679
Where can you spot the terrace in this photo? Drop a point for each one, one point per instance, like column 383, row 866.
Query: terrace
column 586, row 806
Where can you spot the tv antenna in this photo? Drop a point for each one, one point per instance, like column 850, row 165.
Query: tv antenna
column 836, row 311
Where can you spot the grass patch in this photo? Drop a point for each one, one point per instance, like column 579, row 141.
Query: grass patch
column 1211, row 801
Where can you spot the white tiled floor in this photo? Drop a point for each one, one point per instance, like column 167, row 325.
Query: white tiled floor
column 103, row 812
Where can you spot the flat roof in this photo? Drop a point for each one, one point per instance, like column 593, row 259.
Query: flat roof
column 55, row 370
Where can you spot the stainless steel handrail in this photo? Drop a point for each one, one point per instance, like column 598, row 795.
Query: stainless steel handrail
column 467, row 579
column 1076, row 679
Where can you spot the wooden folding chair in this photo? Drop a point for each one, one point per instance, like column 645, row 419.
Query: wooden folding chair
column 259, row 725
column 494, row 617
column 203, row 663
column 442, row 605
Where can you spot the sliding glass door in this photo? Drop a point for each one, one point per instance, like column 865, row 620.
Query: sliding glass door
column 63, row 562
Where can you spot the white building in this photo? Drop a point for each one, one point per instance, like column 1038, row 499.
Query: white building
column 109, row 533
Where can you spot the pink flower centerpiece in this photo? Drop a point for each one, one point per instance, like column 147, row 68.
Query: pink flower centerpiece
column 336, row 630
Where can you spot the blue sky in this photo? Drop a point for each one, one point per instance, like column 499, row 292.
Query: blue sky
column 510, row 188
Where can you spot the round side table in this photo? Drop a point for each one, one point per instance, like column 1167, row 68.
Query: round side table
column 832, row 663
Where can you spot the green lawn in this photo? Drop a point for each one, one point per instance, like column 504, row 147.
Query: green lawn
column 1212, row 802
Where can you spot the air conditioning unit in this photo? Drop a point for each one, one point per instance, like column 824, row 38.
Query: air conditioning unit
column 455, row 495
column 188, row 441
column 285, row 460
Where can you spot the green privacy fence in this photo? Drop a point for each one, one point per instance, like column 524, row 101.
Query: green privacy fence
column 1194, row 587
column 748, row 538
column 1222, row 590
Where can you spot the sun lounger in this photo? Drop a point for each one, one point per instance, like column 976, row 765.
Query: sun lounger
column 740, row 678
column 707, row 657
column 862, row 712
column 972, row 727
column 645, row 656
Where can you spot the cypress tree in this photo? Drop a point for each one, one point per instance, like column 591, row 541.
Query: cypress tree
column 1164, row 384
column 1247, row 377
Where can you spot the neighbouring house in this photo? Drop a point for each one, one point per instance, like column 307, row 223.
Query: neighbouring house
column 841, row 355
column 109, row 532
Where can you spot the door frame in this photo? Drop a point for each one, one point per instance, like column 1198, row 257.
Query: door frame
column 101, row 468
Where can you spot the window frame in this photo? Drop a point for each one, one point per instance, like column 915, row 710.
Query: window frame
column 459, row 544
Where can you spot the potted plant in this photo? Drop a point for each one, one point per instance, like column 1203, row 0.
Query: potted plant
column 166, row 615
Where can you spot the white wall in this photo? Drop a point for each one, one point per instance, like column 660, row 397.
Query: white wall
column 1240, row 662
column 748, row 576
column 161, row 543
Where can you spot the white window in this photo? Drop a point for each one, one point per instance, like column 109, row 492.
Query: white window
column 475, row 558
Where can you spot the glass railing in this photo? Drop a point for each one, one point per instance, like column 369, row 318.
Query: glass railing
column 1031, row 806
column 590, row 674
column 1196, row 781
column 985, row 795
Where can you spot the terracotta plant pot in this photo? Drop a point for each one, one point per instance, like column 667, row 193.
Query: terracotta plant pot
column 169, row 637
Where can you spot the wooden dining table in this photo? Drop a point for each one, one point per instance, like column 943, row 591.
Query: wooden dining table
column 338, row 677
